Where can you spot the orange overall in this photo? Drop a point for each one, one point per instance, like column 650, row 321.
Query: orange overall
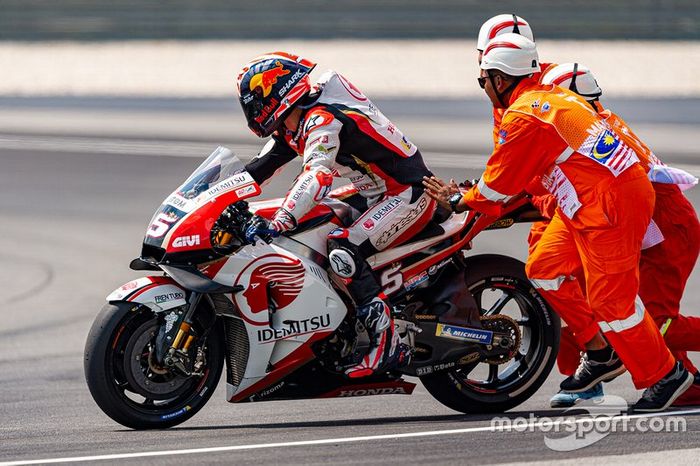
column 664, row 267
column 605, row 203
column 544, row 202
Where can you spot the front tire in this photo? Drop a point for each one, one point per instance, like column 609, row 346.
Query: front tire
column 124, row 381
column 500, row 287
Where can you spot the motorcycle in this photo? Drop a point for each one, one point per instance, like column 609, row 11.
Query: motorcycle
column 483, row 339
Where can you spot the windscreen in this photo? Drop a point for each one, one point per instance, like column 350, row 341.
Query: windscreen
column 220, row 172
column 220, row 165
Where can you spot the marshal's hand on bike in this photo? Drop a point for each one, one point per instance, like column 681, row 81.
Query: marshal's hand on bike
column 439, row 190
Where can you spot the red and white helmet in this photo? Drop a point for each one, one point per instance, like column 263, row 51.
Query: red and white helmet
column 575, row 77
column 502, row 24
column 513, row 54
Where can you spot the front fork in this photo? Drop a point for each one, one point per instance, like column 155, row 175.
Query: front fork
column 176, row 336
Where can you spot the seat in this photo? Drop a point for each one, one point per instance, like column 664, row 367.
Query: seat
column 454, row 224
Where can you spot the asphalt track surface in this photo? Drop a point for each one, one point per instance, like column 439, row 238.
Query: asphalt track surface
column 73, row 210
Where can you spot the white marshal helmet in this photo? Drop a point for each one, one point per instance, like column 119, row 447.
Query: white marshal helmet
column 502, row 24
column 513, row 54
column 575, row 77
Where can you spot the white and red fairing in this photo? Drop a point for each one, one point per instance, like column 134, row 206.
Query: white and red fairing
column 305, row 306
column 305, row 309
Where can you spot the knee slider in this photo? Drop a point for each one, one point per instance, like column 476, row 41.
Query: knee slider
column 342, row 253
column 342, row 262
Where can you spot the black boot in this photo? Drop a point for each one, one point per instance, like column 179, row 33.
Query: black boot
column 663, row 393
column 596, row 366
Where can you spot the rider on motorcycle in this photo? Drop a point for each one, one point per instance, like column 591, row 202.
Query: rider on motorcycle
column 339, row 133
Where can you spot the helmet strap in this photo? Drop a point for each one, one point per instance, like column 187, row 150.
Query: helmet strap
column 501, row 95
column 516, row 29
column 572, row 86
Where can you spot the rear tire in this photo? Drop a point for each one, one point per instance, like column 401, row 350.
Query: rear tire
column 121, row 377
column 518, row 379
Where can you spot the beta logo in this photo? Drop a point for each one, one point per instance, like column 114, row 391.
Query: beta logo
column 186, row 241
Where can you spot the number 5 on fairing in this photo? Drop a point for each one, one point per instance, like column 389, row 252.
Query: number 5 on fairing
column 483, row 340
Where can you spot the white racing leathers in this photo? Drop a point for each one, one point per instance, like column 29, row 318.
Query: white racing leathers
column 343, row 134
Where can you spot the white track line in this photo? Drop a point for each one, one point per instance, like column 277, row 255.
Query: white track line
column 367, row 438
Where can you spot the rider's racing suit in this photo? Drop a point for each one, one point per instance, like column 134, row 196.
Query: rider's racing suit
column 343, row 134
column 604, row 200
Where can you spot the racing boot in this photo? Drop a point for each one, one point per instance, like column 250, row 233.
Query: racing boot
column 596, row 366
column 387, row 351
column 567, row 399
column 663, row 393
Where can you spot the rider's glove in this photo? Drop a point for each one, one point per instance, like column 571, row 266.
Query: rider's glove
column 260, row 228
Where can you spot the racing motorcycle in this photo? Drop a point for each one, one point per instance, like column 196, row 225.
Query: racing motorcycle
column 483, row 339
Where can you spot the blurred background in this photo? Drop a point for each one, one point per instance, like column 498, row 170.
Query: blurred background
column 318, row 19
column 106, row 106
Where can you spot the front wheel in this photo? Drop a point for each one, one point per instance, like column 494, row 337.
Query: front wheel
column 500, row 287
column 127, row 383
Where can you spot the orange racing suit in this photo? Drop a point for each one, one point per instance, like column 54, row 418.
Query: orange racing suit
column 605, row 203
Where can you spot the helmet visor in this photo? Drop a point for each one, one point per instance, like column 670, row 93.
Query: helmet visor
column 252, row 109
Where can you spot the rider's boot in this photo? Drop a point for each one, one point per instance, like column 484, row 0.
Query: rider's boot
column 386, row 351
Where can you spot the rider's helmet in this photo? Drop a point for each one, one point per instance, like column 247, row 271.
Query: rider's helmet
column 575, row 77
column 502, row 24
column 513, row 54
column 270, row 86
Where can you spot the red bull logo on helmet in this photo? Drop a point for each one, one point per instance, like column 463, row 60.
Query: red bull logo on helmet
column 266, row 79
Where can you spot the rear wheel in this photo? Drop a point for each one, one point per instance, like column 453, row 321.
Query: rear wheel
column 129, row 385
column 501, row 288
